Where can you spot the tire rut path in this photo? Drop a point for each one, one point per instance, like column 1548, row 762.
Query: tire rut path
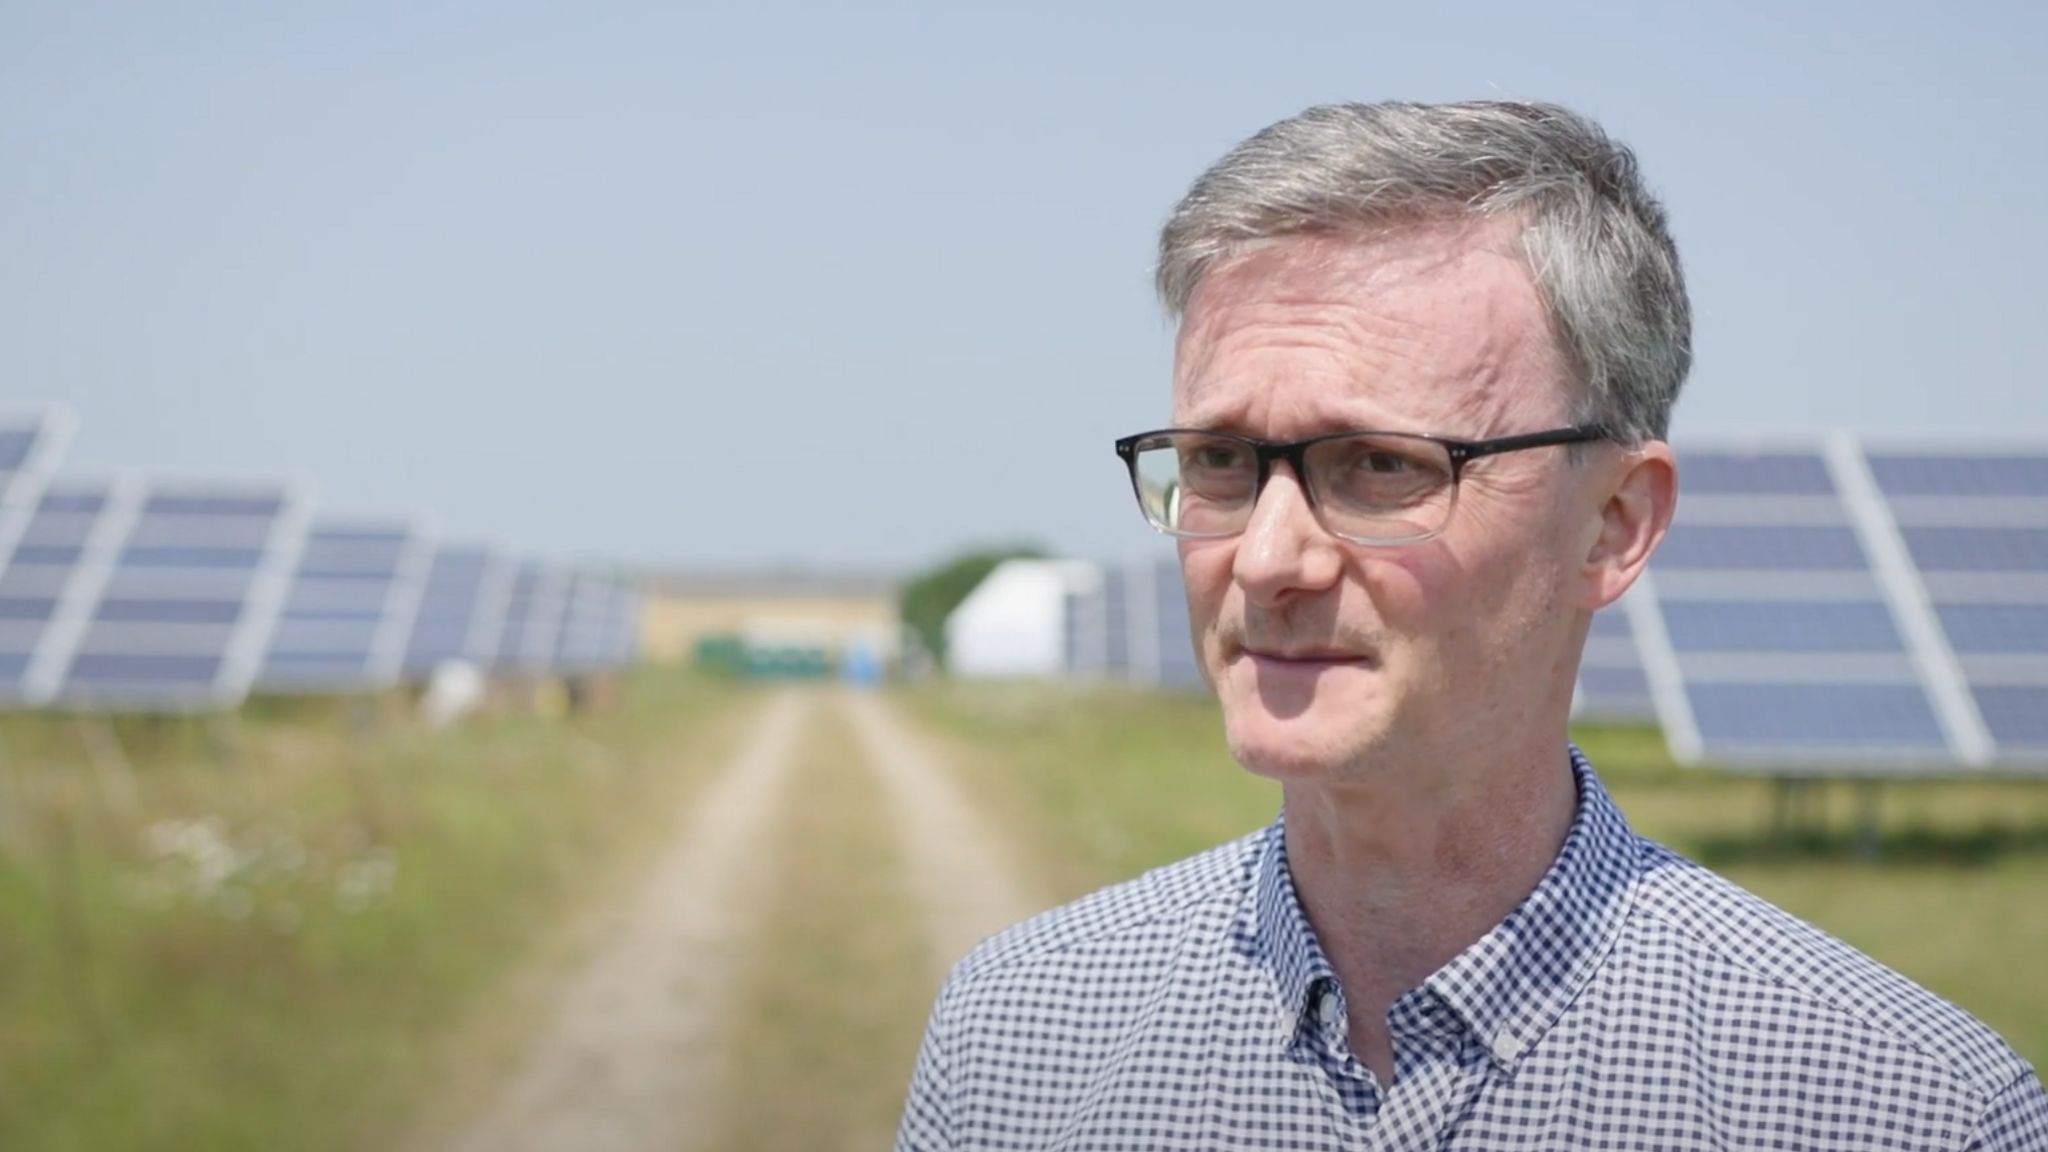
column 630, row 1060
column 960, row 872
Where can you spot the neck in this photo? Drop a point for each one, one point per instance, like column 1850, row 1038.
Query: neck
column 1398, row 879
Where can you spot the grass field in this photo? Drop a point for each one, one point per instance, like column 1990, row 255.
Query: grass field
column 263, row 933
column 284, row 933
column 1106, row 783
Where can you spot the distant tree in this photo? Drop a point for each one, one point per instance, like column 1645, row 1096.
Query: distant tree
column 930, row 596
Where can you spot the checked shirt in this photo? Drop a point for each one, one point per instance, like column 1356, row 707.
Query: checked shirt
column 1633, row 1001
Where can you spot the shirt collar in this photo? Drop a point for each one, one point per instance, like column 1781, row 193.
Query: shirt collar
column 1513, row 983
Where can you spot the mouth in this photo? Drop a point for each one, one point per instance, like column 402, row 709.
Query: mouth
column 1306, row 658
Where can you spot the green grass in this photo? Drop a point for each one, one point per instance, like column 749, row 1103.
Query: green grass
column 260, row 933
column 1107, row 782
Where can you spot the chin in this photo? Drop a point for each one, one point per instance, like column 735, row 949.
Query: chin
column 1326, row 738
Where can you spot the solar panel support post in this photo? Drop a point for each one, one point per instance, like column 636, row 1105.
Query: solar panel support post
column 1869, row 818
column 1661, row 670
column 1798, row 808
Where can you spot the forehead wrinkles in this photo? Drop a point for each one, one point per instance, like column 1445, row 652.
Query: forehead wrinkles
column 1448, row 314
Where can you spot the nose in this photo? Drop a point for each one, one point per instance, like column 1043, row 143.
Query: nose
column 1284, row 549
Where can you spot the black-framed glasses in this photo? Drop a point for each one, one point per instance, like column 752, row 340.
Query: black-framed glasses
column 1365, row 487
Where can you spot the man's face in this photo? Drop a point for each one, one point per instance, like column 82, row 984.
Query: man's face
column 1325, row 653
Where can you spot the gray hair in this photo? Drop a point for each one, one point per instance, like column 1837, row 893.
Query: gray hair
column 1594, row 237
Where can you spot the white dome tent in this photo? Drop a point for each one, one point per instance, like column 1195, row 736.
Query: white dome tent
column 1014, row 623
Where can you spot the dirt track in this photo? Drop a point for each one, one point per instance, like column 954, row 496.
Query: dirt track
column 629, row 1060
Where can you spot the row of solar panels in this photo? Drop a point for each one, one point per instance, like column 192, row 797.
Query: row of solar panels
column 1836, row 605
column 1817, row 606
column 1132, row 625
column 125, row 594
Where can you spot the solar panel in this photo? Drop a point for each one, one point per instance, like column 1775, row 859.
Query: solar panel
column 1755, row 472
column 533, row 619
column 1176, row 664
column 1975, row 524
column 1133, row 625
column 30, row 446
column 1116, row 623
column 1770, row 625
column 588, row 640
column 348, row 612
column 1612, row 685
column 189, row 579
column 622, row 629
column 1081, row 627
column 462, row 610
column 64, row 552
column 1978, row 549
column 1905, row 473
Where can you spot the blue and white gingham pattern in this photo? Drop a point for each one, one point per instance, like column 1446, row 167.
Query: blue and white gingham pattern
column 1633, row 1001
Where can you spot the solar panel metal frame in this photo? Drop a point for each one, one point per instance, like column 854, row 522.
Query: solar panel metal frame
column 487, row 607
column 527, row 646
column 1925, row 661
column 583, row 639
column 1674, row 675
column 392, row 628
column 1936, row 589
column 1613, row 654
column 73, row 583
column 51, row 430
column 247, row 636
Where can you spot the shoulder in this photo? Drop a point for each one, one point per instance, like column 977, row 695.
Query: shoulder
column 1129, row 923
column 1789, row 978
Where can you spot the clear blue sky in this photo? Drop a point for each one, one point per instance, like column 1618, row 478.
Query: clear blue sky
column 859, row 284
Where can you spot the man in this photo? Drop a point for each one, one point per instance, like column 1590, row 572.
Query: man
column 1425, row 365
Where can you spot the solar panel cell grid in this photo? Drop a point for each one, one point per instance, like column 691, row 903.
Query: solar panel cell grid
column 169, row 611
column 1739, row 626
column 461, row 611
column 1978, row 549
column 53, row 555
column 1912, row 474
column 212, row 505
column 1996, row 627
column 16, row 445
column 349, row 608
column 1178, row 665
column 163, row 675
column 86, row 503
column 1611, row 623
column 2017, row 715
column 1759, row 473
column 1781, row 547
column 193, row 557
column 182, row 616
column 27, row 607
column 1610, row 681
column 1847, row 718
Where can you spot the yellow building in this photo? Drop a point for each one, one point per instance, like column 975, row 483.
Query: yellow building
column 776, row 606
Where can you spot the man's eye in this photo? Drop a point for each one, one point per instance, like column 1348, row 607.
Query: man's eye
column 1215, row 456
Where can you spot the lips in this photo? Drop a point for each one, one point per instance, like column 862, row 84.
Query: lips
column 1306, row 656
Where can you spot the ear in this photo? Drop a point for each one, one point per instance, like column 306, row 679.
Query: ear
column 1633, row 520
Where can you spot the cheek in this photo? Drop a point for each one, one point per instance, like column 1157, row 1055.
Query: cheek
column 1205, row 567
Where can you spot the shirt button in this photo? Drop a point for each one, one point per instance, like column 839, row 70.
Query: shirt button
column 1328, row 1011
column 1507, row 1046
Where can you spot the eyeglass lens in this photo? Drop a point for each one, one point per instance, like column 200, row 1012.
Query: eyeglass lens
column 1367, row 487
